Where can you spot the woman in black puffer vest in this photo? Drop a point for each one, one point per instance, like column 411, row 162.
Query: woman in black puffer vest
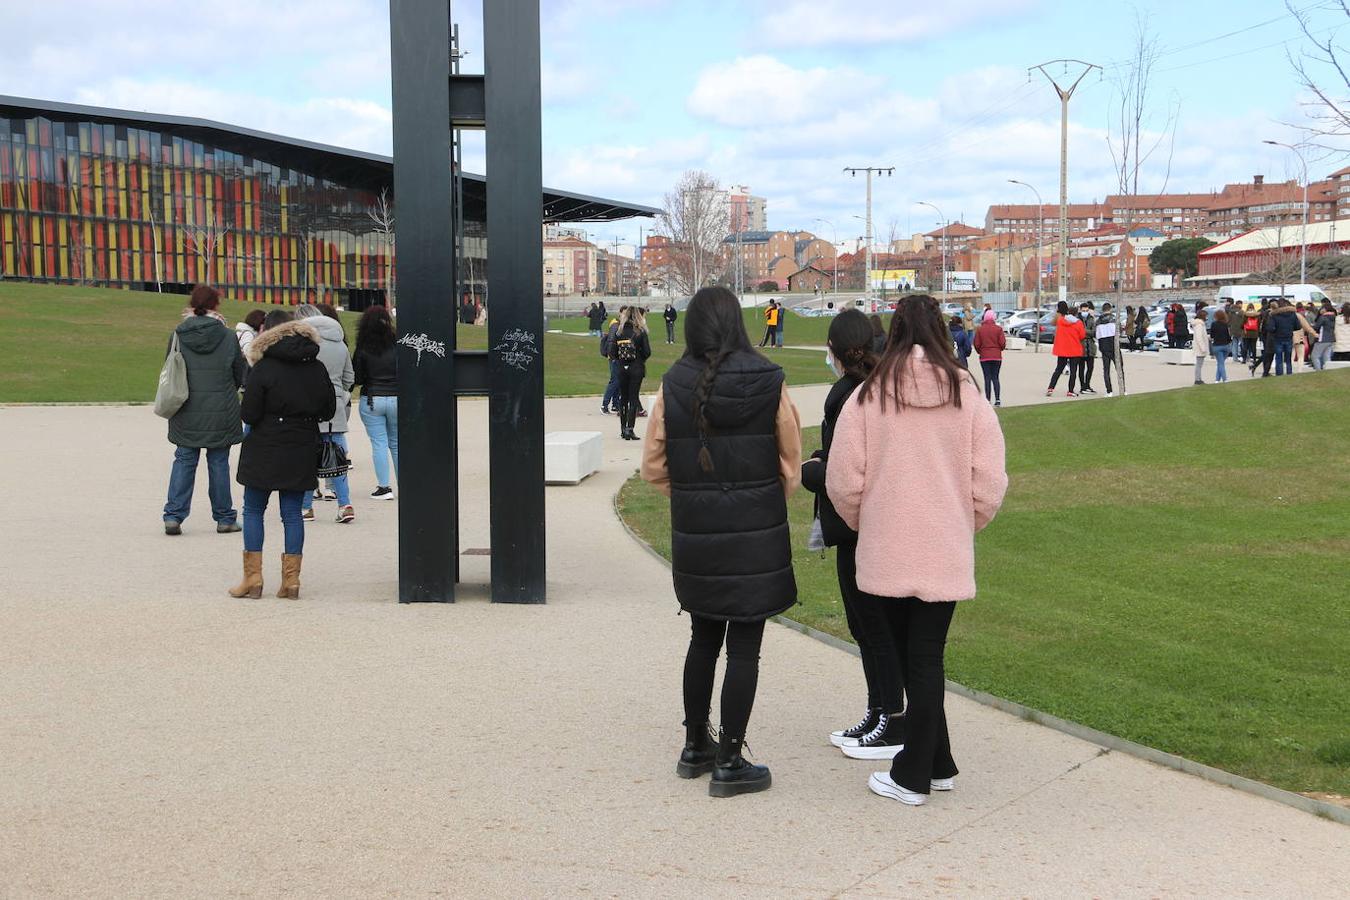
column 725, row 444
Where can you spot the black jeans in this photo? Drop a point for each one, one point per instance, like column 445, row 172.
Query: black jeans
column 991, row 369
column 919, row 629
column 1248, row 349
column 743, row 640
column 769, row 333
column 670, row 332
column 630, row 386
column 868, row 624
column 1107, row 348
column 1075, row 366
column 1089, row 363
column 1267, row 354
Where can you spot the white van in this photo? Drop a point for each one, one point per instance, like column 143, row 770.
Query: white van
column 1255, row 293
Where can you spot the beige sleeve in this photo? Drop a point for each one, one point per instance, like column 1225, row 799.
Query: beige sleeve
column 655, row 471
column 789, row 432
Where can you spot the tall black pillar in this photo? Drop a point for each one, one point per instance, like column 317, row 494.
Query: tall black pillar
column 428, row 511
column 515, row 299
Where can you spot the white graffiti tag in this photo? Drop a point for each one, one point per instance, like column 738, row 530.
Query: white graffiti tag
column 517, row 349
column 421, row 342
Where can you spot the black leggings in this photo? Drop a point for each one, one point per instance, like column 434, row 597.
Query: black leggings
column 868, row 624
column 919, row 631
column 1107, row 347
column 1075, row 365
column 630, row 386
column 700, row 667
column 991, row 369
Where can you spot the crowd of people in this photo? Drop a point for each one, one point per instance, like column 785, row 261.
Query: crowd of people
column 281, row 385
column 911, row 456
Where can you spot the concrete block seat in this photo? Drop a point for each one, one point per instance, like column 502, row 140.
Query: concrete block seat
column 1016, row 343
column 570, row 456
column 1176, row 356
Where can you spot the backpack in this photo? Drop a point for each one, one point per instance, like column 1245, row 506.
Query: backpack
column 172, row 391
column 1250, row 324
column 606, row 343
column 625, row 350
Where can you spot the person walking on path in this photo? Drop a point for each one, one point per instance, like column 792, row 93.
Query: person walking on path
column 918, row 462
column 1325, row 326
column 725, row 445
column 289, row 393
column 209, row 419
column 610, row 400
column 852, row 359
column 333, row 354
column 1200, row 341
column 1088, row 317
column 990, row 342
column 630, row 349
column 1068, row 348
column 1251, row 329
column 1106, row 344
column 1220, row 344
column 962, row 340
column 671, row 315
column 1141, row 326
column 595, row 319
column 770, row 324
column 375, row 365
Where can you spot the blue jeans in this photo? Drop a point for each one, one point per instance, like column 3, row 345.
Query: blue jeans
column 778, row 337
column 183, row 477
column 380, row 416
column 1221, row 354
column 1284, row 357
column 255, row 504
column 1321, row 354
column 611, row 398
column 340, row 484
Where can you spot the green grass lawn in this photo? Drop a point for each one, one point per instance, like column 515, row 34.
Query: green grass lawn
column 92, row 345
column 1172, row 568
column 799, row 331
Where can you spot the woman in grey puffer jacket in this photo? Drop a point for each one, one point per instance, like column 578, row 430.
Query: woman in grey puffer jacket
column 335, row 358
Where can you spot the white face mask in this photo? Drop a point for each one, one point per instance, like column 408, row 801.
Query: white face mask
column 833, row 364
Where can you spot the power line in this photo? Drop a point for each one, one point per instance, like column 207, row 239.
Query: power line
column 1183, row 48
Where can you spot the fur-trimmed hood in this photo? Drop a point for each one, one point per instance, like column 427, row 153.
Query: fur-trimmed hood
column 294, row 341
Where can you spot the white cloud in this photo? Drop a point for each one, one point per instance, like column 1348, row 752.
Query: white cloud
column 762, row 90
column 818, row 23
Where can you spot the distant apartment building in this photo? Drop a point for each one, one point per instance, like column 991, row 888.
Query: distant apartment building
column 758, row 255
column 745, row 211
column 1023, row 218
column 576, row 266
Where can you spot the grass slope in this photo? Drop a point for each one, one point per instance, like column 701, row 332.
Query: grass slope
column 799, row 331
column 1170, row 568
column 91, row 345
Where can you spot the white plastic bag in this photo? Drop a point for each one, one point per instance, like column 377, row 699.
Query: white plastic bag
column 172, row 392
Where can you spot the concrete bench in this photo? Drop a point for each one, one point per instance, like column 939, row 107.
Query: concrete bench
column 569, row 456
column 1016, row 343
column 1176, row 356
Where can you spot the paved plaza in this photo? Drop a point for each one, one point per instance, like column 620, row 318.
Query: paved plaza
column 161, row 739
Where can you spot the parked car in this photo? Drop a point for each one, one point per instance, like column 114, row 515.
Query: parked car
column 1016, row 319
column 1045, row 325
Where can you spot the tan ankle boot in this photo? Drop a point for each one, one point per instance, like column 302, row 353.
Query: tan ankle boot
column 252, row 584
column 290, row 576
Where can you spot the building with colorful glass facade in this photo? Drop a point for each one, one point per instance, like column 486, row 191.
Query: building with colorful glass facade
column 148, row 202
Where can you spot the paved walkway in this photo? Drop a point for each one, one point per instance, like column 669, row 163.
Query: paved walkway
column 160, row 739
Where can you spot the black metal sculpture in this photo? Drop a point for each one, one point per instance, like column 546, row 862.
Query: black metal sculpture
column 428, row 102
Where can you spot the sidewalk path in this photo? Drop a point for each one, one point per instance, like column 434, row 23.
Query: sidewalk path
column 160, row 739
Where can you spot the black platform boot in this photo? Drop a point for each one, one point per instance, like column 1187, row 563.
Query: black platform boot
column 733, row 775
column 700, row 751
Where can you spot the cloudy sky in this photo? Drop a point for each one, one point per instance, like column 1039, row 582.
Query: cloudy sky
column 779, row 96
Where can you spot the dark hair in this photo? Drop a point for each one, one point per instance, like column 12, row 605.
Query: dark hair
column 1345, row 312
column 713, row 330
column 375, row 331
column 204, row 299
column 329, row 310
column 878, row 326
column 917, row 324
column 851, row 337
column 1062, row 308
column 277, row 317
column 254, row 319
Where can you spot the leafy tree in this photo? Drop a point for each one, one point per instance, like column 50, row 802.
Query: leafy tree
column 1179, row 255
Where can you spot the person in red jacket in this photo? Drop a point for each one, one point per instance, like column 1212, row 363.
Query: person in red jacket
column 1068, row 349
column 990, row 342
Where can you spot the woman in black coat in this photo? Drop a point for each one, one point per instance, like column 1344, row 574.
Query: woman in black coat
column 853, row 359
column 631, row 348
column 288, row 394
column 724, row 442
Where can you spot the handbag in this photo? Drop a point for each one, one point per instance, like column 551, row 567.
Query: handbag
column 332, row 460
column 172, row 392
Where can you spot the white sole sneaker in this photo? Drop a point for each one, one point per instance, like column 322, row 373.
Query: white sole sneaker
column 884, row 751
column 837, row 738
column 880, row 783
column 942, row 784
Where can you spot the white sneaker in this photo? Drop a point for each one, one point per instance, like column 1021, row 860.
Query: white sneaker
column 882, row 742
column 1110, row 393
column 880, row 783
column 942, row 784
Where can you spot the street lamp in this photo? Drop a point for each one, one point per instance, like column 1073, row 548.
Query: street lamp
column 1303, row 237
column 944, row 241
column 834, row 236
column 1040, row 224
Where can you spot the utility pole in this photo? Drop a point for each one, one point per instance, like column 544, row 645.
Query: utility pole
column 943, row 219
column 1065, row 94
column 1040, row 242
column 869, row 170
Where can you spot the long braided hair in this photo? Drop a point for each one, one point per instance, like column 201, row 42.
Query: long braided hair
column 714, row 329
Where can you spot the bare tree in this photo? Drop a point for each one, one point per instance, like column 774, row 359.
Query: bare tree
column 694, row 217
column 1324, row 73
column 206, row 238
column 382, row 214
column 1133, row 143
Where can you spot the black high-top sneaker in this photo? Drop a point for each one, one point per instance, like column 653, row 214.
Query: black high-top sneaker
column 869, row 721
column 733, row 775
column 700, row 751
column 882, row 742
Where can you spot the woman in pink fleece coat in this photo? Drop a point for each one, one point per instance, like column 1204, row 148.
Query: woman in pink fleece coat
column 917, row 468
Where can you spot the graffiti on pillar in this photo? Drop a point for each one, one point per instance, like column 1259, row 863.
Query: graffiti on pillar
column 517, row 349
column 420, row 343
